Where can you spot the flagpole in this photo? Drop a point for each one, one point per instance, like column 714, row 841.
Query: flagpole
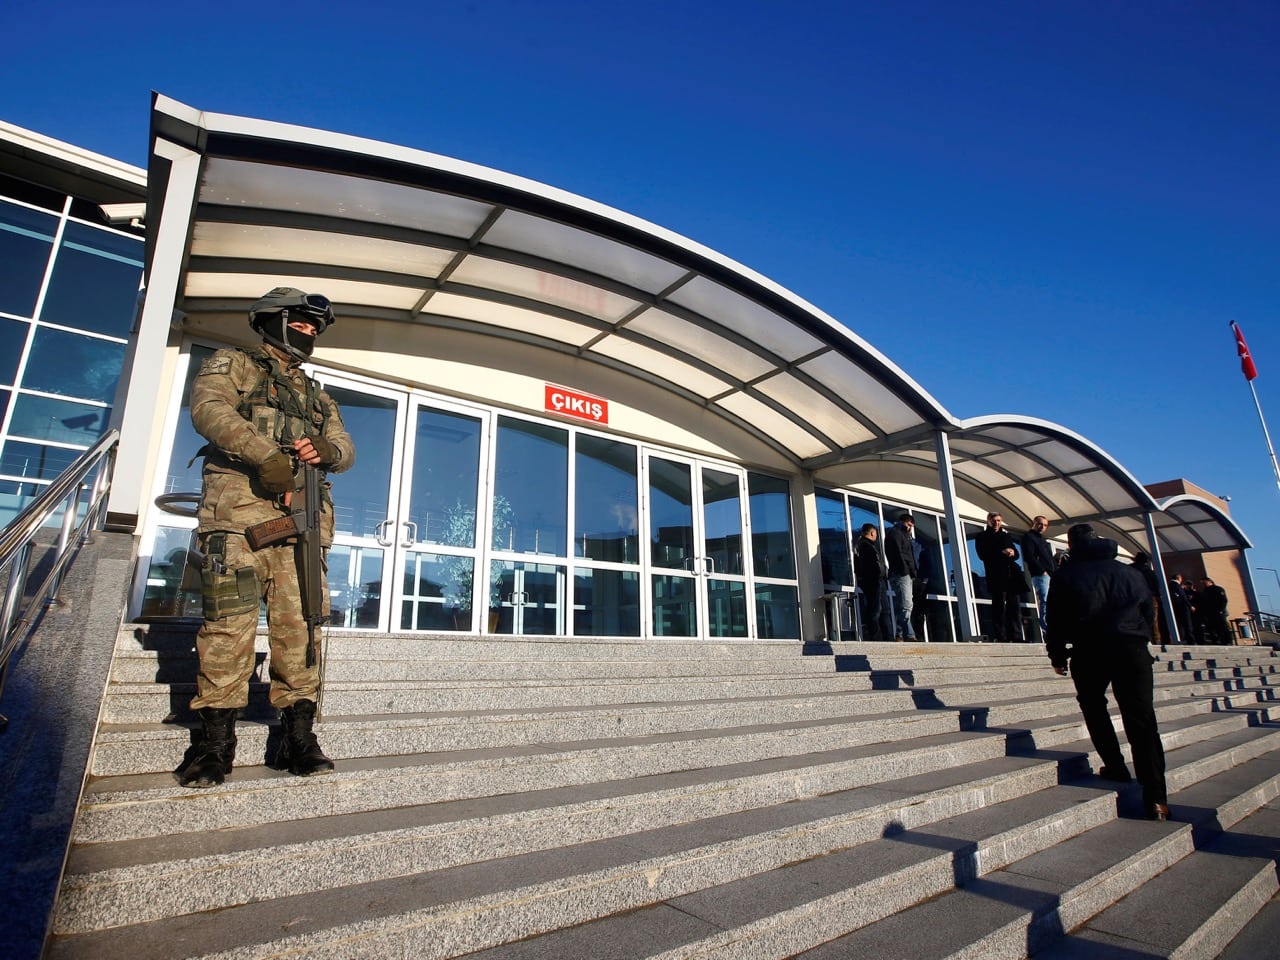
column 1266, row 433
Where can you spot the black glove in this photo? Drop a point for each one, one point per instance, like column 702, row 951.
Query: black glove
column 328, row 452
column 276, row 473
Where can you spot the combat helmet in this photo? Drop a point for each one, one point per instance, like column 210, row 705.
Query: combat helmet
column 272, row 313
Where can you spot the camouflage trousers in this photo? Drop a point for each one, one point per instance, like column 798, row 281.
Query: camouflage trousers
column 226, row 645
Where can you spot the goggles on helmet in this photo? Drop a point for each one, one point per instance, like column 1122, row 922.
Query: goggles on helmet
column 294, row 305
column 313, row 307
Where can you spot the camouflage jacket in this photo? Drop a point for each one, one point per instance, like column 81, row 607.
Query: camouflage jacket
column 282, row 405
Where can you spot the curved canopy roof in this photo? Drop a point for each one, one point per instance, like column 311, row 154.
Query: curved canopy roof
column 402, row 236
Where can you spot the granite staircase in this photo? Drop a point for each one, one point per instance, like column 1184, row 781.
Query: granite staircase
column 542, row 798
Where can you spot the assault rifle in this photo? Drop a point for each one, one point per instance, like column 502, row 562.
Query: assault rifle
column 303, row 522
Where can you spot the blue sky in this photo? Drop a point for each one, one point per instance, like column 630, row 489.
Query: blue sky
column 1050, row 209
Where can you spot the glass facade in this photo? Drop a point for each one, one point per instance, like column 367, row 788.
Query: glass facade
column 68, row 294
column 457, row 518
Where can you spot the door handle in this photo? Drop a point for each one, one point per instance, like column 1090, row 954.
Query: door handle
column 411, row 529
column 380, row 533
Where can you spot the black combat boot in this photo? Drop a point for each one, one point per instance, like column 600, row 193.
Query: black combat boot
column 215, row 752
column 300, row 753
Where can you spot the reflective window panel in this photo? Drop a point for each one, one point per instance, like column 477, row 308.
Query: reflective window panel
column 606, row 500
column 44, row 418
column 437, row 592
column 360, row 494
column 95, row 281
column 531, row 488
column 833, row 541
column 13, row 337
column 182, row 476
column 446, row 477
column 670, row 514
column 606, row 603
column 71, row 365
column 675, row 607
column 777, row 612
column 772, row 545
column 530, row 598
column 726, row 608
column 722, row 521
column 173, row 582
column 32, row 461
column 355, row 586
column 26, row 239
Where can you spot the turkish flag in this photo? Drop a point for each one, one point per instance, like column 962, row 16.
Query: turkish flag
column 1246, row 358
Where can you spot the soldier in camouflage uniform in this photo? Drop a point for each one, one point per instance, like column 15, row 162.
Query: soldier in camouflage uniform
column 253, row 406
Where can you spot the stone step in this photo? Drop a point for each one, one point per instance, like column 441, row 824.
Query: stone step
column 142, row 703
column 129, row 749
column 673, row 907
column 161, row 667
column 1259, row 936
column 1027, row 907
column 692, row 796
column 137, row 748
column 1217, row 890
column 760, row 768
column 627, row 864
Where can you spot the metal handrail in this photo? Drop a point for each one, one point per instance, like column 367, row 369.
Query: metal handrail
column 18, row 539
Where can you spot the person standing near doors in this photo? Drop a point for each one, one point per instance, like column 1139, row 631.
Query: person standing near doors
column 1038, row 557
column 900, row 552
column 999, row 557
column 868, row 572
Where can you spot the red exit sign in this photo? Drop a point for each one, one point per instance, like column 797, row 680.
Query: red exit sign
column 580, row 406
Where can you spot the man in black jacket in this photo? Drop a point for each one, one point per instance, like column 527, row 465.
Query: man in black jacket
column 868, row 573
column 1101, row 611
column 1211, row 608
column 900, row 552
column 999, row 558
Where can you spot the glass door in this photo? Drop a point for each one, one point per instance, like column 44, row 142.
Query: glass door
column 365, row 499
column 438, row 521
column 697, row 549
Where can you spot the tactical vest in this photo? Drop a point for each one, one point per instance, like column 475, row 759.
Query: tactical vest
column 276, row 410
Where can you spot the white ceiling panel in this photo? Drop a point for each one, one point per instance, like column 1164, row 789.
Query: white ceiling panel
column 1020, row 465
column 746, row 318
column 781, row 428
column 824, row 415
column 1067, row 498
column 661, row 365
column 875, row 401
column 540, row 237
column 736, row 361
column 543, row 287
column 250, row 286
column 510, row 318
column 268, row 186
column 246, row 241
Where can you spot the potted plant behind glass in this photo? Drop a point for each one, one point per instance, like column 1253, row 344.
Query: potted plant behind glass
column 458, row 572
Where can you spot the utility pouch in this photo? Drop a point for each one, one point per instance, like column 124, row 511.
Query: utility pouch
column 226, row 592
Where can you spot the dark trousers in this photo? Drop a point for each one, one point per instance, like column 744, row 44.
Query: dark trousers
column 1127, row 670
column 1006, row 615
column 870, row 603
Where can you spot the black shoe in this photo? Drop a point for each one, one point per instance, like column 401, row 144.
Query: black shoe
column 300, row 752
column 1158, row 812
column 1115, row 774
column 216, row 752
